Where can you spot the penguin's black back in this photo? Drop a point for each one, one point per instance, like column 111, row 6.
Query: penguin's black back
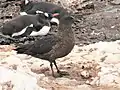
column 48, row 7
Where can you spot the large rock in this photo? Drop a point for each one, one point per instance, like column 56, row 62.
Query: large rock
column 15, row 80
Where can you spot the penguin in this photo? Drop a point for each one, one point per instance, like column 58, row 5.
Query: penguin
column 30, row 7
column 26, row 25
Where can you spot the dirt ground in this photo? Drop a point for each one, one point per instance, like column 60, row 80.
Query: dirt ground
column 100, row 22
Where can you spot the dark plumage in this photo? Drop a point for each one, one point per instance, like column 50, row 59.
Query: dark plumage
column 31, row 8
column 51, row 47
column 16, row 25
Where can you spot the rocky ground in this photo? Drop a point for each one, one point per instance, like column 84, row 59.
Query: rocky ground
column 90, row 67
column 94, row 63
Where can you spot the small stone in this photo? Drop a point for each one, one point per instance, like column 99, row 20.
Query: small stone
column 85, row 74
column 103, row 58
column 112, row 26
column 14, row 67
column 87, row 82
